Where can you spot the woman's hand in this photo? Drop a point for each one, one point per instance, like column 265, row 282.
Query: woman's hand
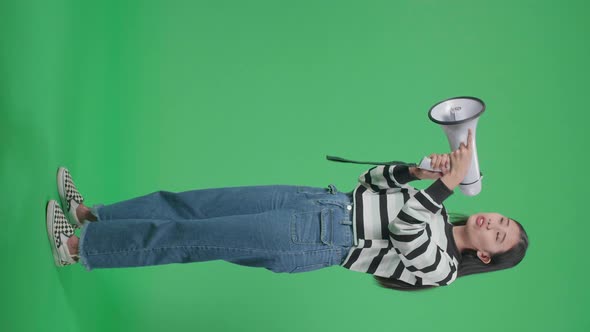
column 437, row 161
column 460, row 163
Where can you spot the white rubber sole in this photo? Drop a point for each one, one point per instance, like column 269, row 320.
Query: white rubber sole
column 50, row 233
column 61, row 256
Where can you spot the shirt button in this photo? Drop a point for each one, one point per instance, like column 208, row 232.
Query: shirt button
column 349, row 207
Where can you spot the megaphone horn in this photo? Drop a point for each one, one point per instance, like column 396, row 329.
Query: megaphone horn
column 456, row 116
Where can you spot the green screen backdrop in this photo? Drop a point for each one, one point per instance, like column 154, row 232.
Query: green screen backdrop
column 139, row 96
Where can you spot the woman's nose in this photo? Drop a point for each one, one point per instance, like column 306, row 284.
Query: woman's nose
column 490, row 226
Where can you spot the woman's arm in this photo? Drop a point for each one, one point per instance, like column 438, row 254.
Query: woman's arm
column 454, row 165
column 410, row 235
column 396, row 176
column 386, row 177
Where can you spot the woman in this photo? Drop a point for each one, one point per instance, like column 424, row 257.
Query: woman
column 384, row 227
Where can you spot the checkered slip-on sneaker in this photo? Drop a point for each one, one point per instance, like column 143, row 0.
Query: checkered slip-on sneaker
column 69, row 196
column 59, row 231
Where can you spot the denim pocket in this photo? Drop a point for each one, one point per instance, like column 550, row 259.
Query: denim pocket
column 312, row 227
column 307, row 268
column 312, row 190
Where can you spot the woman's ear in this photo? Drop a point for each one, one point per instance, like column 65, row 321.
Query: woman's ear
column 484, row 257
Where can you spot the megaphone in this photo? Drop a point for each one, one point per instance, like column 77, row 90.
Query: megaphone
column 456, row 116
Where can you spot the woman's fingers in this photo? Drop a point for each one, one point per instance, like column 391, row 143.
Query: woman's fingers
column 441, row 161
column 460, row 158
column 435, row 162
column 445, row 162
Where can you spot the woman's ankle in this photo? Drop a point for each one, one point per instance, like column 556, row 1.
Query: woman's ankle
column 72, row 244
column 90, row 216
column 84, row 213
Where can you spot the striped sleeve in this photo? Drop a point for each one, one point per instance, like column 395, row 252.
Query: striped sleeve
column 386, row 177
column 410, row 236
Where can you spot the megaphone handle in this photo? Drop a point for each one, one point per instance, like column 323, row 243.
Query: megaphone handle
column 425, row 164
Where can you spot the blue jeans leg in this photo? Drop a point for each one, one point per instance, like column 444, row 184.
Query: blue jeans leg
column 281, row 228
column 205, row 203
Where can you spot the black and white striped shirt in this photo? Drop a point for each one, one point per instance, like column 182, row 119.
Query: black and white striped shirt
column 401, row 232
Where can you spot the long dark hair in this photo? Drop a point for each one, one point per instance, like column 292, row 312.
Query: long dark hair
column 470, row 263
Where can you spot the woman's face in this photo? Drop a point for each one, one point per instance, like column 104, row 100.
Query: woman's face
column 491, row 233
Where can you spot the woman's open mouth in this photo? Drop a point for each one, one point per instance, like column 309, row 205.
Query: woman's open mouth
column 479, row 221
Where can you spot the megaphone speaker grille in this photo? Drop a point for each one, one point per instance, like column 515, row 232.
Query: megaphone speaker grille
column 456, row 110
